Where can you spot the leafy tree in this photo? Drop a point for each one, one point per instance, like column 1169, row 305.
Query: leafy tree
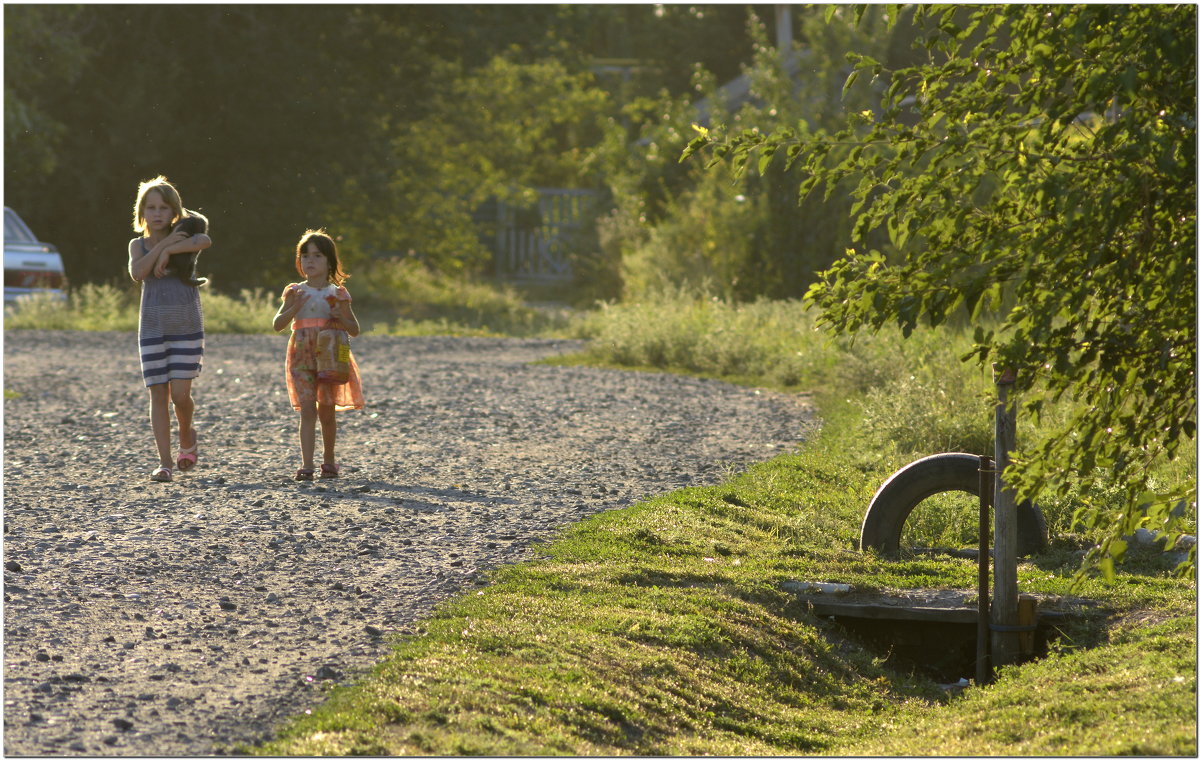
column 743, row 238
column 272, row 118
column 517, row 126
column 1036, row 163
column 43, row 47
column 257, row 112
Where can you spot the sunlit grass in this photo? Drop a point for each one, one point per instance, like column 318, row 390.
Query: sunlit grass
column 1134, row 696
column 410, row 299
column 115, row 307
column 400, row 301
column 664, row 629
column 915, row 396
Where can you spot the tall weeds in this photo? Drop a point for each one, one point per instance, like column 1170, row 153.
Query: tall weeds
column 404, row 297
column 398, row 298
column 115, row 307
column 914, row 396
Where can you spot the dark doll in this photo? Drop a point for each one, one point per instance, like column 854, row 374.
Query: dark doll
column 183, row 265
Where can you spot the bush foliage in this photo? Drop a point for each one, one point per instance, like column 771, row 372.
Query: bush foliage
column 915, row 396
column 1038, row 164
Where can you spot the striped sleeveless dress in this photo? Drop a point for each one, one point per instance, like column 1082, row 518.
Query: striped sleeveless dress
column 170, row 329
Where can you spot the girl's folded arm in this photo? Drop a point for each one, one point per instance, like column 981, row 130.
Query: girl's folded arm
column 195, row 243
column 140, row 264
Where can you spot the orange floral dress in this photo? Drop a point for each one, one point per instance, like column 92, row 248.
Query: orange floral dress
column 301, row 367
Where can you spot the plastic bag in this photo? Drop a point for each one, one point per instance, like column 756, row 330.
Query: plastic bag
column 333, row 357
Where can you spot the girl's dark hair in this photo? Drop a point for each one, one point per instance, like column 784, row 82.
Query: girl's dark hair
column 324, row 243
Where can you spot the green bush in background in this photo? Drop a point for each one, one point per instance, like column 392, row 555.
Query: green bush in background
column 115, row 307
column 91, row 307
column 915, row 395
column 391, row 298
column 406, row 297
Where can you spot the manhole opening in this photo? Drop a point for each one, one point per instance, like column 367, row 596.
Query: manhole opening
column 943, row 651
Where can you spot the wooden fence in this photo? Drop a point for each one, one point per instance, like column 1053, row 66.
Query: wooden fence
column 539, row 250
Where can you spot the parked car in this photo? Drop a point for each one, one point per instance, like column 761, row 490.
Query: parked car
column 30, row 265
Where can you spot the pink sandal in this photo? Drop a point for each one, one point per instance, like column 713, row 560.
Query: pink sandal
column 187, row 457
column 161, row 475
column 329, row 471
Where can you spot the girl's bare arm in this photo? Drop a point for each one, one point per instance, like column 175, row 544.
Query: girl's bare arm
column 188, row 245
column 193, row 244
column 346, row 319
column 142, row 265
column 292, row 302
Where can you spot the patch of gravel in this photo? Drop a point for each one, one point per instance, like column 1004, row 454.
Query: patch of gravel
column 179, row 619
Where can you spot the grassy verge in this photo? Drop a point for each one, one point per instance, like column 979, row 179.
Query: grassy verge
column 114, row 306
column 394, row 299
column 663, row 629
column 1134, row 695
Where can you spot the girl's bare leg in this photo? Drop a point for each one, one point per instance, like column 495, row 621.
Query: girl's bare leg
column 328, row 431
column 308, row 432
column 160, row 422
column 181, row 397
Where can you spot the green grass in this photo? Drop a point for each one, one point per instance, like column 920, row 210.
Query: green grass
column 662, row 629
column 1135, row 695
column 412, row 300
column 114, row 306
column 390, row 299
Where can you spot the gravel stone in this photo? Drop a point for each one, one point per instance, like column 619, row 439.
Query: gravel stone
column 465, row 458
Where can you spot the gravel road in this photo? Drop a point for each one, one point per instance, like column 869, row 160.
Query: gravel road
column 156, row 619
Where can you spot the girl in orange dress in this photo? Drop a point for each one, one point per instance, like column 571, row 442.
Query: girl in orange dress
column 320, row 302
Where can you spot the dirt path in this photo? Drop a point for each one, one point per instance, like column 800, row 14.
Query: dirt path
column 177, row 619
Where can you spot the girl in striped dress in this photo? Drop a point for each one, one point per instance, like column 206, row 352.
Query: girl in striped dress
column 171, row 324
column 319, row 303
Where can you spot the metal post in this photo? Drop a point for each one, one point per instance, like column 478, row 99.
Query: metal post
column 983, row 667
column 1005, row 644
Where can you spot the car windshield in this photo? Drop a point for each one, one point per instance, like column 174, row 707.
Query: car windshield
column 15, row 229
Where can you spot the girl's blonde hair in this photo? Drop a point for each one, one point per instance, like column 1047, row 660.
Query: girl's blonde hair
column 166, row 191
column 324, row 243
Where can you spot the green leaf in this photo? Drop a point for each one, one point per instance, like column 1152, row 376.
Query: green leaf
column 850, row 80
column 764, row 159
column 693, row 146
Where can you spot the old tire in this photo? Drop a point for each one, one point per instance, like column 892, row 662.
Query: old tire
column 911, row 485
